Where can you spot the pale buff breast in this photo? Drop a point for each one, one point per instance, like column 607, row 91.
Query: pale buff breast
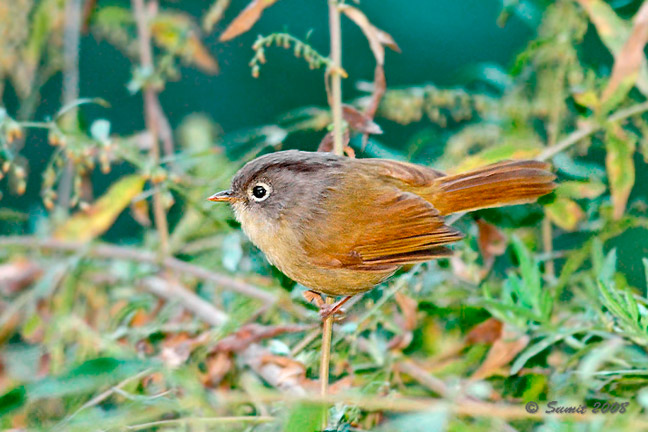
column 282, row 248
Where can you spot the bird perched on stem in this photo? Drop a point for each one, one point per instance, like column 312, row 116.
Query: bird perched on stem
column 340, row 226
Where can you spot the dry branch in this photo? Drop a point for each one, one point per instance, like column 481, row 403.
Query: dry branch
column 131, row 254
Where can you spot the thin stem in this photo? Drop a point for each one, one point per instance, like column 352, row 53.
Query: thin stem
column 153, row 124
column 327, row 333
column 71, row 38
column 338, row 148
column 107, row 251
column 336, row 78
column 547, row 242
column 205, row 420
column 589, row 129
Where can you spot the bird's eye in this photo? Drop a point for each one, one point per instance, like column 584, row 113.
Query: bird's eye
column 260, row 192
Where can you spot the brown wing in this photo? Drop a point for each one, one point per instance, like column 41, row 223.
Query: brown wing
column 372, row 225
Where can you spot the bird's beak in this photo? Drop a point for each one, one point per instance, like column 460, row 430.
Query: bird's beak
column 223, row 196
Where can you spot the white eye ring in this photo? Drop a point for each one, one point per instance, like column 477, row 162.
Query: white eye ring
column 260, row 191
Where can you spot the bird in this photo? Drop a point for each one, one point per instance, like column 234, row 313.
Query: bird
column 339, row 226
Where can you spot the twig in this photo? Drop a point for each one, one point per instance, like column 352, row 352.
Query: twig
column 131, row 254
column 153, row 123
column 303, row 343
column 336, row 79
column 589, row 129
column 102, row 396
column 70, row 92
column 203, row 420
column 173, row 291
column 327, row 333
column 338, row 148
column 465, row 408
column 423, row 377
column 547, row 242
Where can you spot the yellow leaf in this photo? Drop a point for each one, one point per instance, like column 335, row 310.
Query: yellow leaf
column 496, row 154
column 565, row 213
column 215, row 14
column 377, row 38
column 580, row 189
column 620, row 148
column 86, row 225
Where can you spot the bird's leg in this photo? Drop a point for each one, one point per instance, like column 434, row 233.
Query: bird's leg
column 327, row 310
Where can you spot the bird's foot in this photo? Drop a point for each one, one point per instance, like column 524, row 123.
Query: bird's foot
column 326, row 310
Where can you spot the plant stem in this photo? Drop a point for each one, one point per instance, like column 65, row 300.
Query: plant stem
column 151, row 107
column 336, row 78
column 547, row 241
column 107, row 251
column 327, row 333
column 589, row 129
column 338, row 148
column 70, row 93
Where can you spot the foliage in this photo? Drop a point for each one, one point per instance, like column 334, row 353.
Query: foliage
column 182, row 325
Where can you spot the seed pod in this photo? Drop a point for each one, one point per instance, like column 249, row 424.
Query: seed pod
column 261, row 56
column 21, row 187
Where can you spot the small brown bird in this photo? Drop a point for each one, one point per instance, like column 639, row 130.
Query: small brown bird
column 340, row 226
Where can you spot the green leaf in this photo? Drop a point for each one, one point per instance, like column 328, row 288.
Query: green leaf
column 580, row 189
column 88, row 377
column 608, row 268
column 619, row 162
column 12, row 400
column 83, row 101
column 306, row 417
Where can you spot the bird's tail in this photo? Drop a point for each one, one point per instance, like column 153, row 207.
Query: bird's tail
column 500, row 184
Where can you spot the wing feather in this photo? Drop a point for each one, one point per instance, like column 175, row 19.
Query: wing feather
column 376, row 227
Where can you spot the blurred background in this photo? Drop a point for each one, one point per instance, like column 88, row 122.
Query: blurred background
column 118, row 119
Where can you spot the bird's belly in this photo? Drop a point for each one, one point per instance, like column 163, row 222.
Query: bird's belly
column 338, row 281
column 283, row 250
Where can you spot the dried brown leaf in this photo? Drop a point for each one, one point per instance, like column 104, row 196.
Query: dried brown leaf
column 377, row 38
column 251, row 333
column 326, row 145
column 379, row 88
column 407, row 321
column 485, row 332
column 504, row 349
column 491, row 241
column 408, row 307
column 628, row 61
column 246, row 19
column 359, row 121
column 218, row 365
column 140, row 212
column 290, row 378
column 18, row 274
